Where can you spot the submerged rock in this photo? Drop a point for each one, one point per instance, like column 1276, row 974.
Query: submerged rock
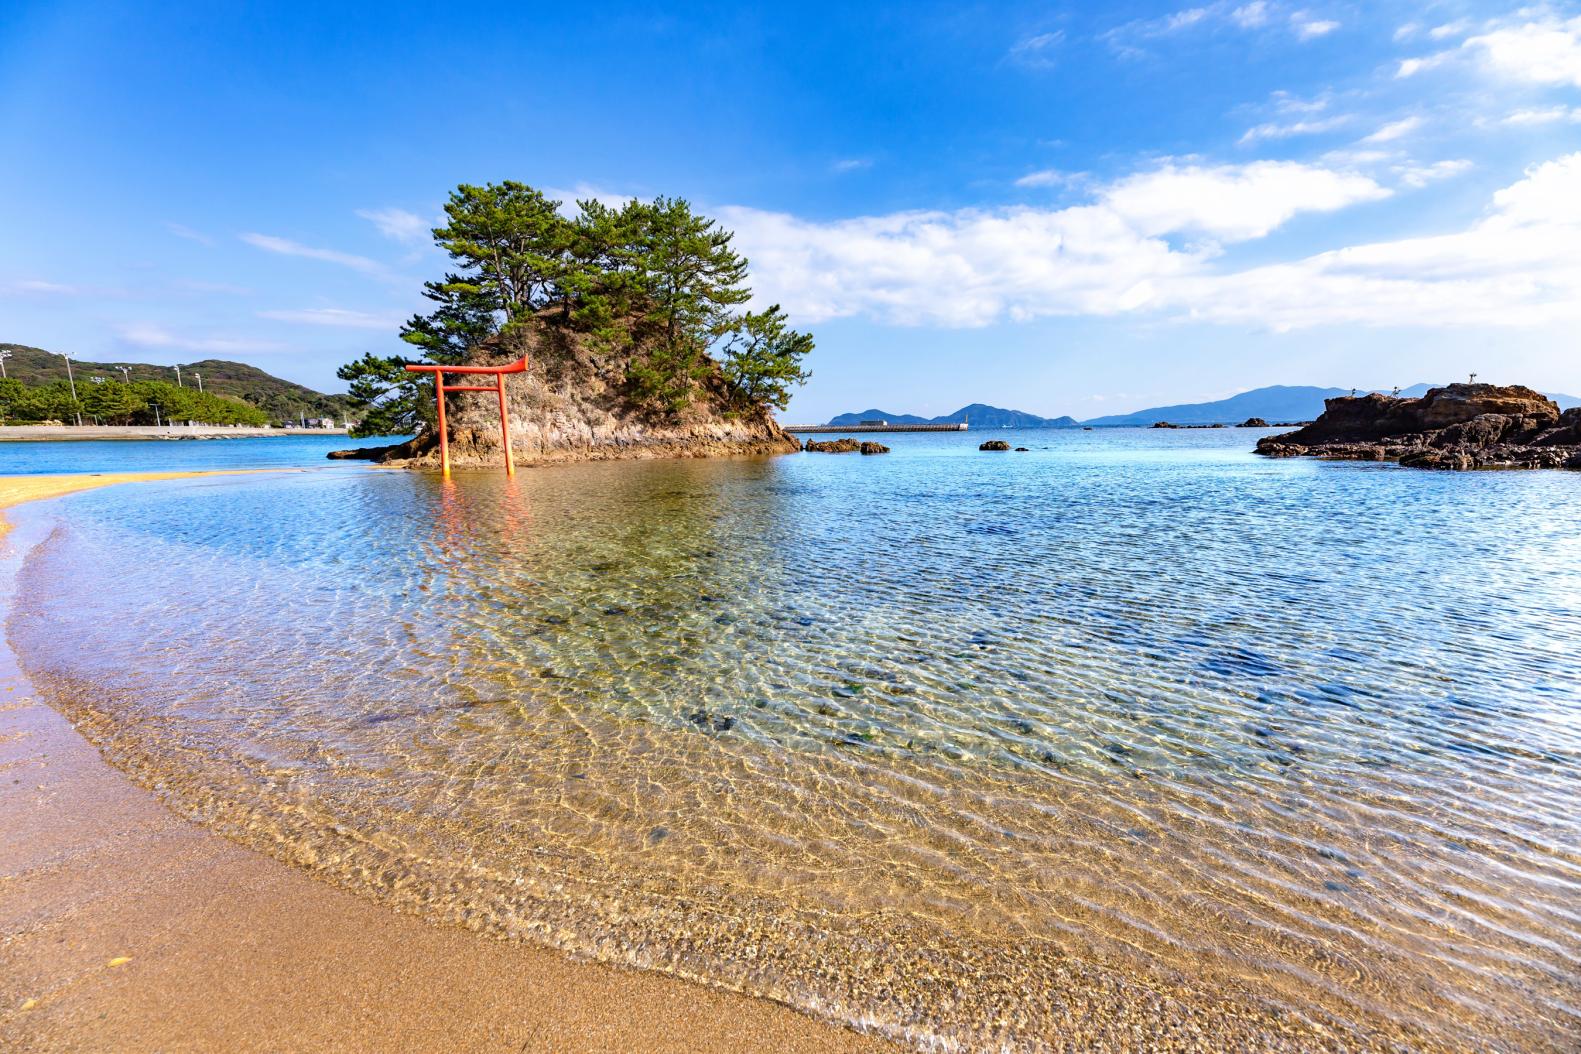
column 995, row 444
column 1461, row 426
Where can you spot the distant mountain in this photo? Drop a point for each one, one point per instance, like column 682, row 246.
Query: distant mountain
column 978, row 415
column 847, row 420
column 283, row 400
column 1276, row 404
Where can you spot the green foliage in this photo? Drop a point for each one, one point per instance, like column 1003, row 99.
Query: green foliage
column 762, row 359
column 282, row 401
column 113, row 402
column 653, row 286
column 391, row 401
column 110, row 402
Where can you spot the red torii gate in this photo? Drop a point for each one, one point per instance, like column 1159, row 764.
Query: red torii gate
column 498, row 387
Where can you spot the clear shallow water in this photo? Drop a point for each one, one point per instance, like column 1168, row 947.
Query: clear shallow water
column 1135, row 735
column 36, row 457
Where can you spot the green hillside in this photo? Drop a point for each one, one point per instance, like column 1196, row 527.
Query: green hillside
column 285, row 402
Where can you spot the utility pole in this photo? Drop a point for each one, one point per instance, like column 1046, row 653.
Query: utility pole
column 73, row 382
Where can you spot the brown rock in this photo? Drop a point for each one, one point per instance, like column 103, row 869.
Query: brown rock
column 995, row 444
column 833, row 446
column 1461, row 426
column 1253, row 422
column 874, row 448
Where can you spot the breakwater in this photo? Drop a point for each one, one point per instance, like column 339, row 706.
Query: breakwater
column 805, row 429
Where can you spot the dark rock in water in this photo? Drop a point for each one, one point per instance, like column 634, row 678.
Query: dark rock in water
column 1461, row 426
column 1253, row 422
column 874, row 448
column 995, row 444
column 1164, row 424
column 375, row 453
column 1021, row 450
column 833, row 446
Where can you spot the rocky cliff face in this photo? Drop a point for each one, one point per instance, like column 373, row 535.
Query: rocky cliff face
column 574, row 404
column 1461, row 426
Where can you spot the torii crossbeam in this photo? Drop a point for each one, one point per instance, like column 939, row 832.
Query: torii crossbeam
column 498, row 387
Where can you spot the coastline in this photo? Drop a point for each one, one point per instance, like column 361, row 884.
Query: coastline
column 131, row 928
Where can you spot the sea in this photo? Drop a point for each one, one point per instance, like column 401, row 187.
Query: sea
column 1129, row 740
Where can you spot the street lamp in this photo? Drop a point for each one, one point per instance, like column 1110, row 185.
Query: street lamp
column 199, row 376
column 73, row 383
column 126, row 374
column 178, row 377
column 5, row 353
column 156, row 414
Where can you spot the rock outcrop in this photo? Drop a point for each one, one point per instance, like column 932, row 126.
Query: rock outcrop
column 1461, row 426
column 874, row 448
column 1253, row 422
column 576, row 404
column 995, row 444
column 832, row 446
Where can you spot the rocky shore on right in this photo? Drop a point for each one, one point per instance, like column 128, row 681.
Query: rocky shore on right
column 1458, row 426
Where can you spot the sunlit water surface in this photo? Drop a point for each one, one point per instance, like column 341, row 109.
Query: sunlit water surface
column 1132, row 737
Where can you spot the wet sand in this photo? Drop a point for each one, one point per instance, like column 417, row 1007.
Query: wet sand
column 124, row 927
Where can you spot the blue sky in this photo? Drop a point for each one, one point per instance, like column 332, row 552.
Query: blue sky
column 1078, row 209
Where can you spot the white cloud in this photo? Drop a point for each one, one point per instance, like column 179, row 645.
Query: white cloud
column 181, row 230
column 1308, row 27
column 1543, row 49
column 1518, row 265
column 1276, row 130
column 1546, row 115
column 1394, row 130
column 851, row 164
column 1037, row 50
column 334, row 316
column 1250, row 16
column 1046, row 177
column 1538, row 52
column 398, row 224
column 146, row 335
column 38, row 286
column 1234, row 202
column 1417, row 176
column 286, row 247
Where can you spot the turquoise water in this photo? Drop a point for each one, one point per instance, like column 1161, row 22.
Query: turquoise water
column 176, row 455
column 1132, row 730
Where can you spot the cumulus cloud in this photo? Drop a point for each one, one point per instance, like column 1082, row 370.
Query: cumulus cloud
column 1539, row 52
column 1233, row 202
column 398, row 224
column 1520, row 264
column 1534, row 47
column 334, row 316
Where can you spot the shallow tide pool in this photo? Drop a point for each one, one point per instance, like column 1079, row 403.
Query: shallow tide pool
column 1131, row 735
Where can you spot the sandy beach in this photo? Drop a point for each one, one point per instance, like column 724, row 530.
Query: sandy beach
column 128, row 928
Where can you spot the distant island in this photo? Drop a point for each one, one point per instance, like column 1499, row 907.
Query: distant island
column 1277, row 404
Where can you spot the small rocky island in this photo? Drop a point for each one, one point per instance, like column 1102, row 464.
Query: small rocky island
column 1460, row 426
column 634, row 321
